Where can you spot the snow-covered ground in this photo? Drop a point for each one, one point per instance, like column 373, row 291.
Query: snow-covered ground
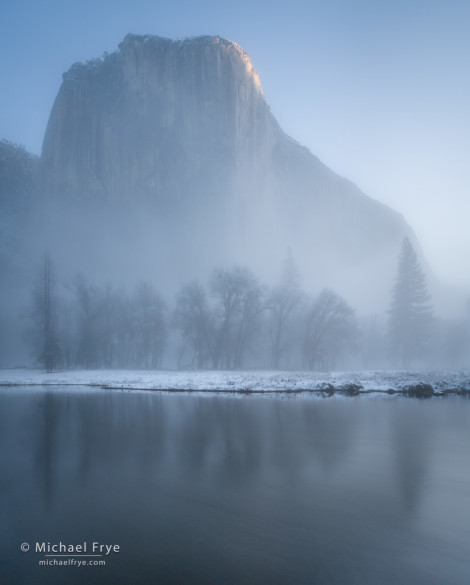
column 241, row 381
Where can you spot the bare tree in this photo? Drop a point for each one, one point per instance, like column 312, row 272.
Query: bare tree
column 123, row 330
column 238, row 306
column 329, row 327
column 88, row 323
column 195, row 320
column 51, row 351
column 108, row 315
column 282, row 304
column 150, row 327
column 248, row 322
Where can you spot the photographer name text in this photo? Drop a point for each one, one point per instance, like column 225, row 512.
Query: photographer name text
column 95, row 548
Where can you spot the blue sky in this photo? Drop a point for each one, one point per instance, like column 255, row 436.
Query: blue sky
column 378, row 90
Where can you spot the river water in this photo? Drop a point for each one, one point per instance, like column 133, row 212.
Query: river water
column 226, row 490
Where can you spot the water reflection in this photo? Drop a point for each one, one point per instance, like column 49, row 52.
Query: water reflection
column 221, row 490
column 413, row 446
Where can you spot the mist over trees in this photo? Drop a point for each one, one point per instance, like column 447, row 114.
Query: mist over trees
column 237, row 308
column 211, row 164
column 283, row 309
column 194, row 320
column 203, row 178
column 233, row 321
column 113, row 328
column 330, row 328
column 43, row 316
column 410, row 315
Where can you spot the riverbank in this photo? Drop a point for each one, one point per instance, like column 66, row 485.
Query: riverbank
column 325, row 384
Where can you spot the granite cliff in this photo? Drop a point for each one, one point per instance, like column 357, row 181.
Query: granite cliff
column 172, row 147
column 18, row 175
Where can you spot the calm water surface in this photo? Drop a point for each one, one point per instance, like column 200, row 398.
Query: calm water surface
column 218, row 490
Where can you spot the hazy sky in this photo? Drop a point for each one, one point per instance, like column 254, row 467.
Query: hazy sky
column 378, row 90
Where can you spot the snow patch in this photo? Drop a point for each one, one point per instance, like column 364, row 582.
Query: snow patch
column 326, row 384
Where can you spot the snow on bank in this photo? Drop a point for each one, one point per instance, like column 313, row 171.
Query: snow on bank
column 241, row 381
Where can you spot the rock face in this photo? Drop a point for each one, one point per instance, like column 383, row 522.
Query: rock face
column 180, row 132
column 18, row 170
column 161, row 121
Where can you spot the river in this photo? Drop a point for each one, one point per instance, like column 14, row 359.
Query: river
column 232, row 490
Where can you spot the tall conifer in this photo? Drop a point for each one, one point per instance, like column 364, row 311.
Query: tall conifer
column 410, row 314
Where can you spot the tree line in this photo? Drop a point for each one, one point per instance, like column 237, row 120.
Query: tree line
column 232, row 321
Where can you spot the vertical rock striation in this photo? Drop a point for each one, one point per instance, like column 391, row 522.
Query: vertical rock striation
column 181, row 131
column 158, row 121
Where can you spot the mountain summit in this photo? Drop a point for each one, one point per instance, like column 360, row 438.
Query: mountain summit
column 180, row 133
column 146, row 122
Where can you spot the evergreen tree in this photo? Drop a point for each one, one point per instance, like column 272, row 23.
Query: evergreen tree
column 410, row 314
column 51, row 350
column 42, row 333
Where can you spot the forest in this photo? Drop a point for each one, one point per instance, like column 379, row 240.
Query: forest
column 232, row 321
